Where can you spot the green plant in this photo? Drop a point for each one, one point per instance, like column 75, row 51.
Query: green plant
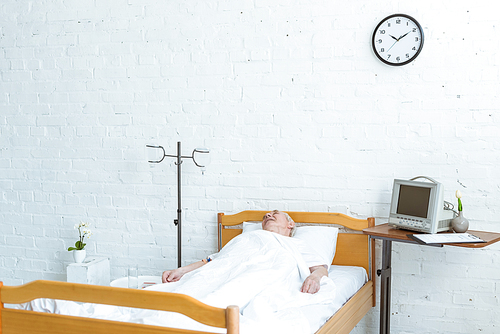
column 458, row 195
column 83, row 231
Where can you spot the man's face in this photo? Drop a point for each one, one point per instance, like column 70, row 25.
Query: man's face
column 276, row 221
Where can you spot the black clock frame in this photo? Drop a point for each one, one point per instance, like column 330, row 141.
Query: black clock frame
column 416, row 54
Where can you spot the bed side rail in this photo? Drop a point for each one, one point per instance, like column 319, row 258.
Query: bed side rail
column 155, row 300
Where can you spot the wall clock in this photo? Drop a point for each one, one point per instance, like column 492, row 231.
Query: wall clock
column 398, row 39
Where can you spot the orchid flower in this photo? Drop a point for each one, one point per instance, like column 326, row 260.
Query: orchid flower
column 79, row 245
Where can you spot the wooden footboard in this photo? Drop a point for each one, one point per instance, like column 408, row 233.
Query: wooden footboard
column 21, row 321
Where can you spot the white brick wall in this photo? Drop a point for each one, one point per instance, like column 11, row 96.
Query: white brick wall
column 297, row 111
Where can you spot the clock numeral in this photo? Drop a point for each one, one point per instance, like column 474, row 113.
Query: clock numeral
column 382, row 50
column 416, row 39
column 382, row 32
column 379, row 41
column 388, row 56
column 414, row 29
column 414, row 48
column 398, row 58
column 398, row 21
column 407, row 55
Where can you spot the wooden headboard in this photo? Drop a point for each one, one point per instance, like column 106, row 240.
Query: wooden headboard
column 353, row 247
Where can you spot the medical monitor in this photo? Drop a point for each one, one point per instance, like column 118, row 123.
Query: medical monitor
column 419, row 206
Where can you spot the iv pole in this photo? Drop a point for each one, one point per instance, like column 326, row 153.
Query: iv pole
column 179, row 156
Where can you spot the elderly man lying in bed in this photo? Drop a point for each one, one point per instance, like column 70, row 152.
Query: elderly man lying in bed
column 280, row 223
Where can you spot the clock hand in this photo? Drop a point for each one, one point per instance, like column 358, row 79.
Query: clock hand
column 393, row 45
column 404, row 35
column 394, row 38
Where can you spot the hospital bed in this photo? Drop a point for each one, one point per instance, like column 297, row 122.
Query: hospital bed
column 353, row 249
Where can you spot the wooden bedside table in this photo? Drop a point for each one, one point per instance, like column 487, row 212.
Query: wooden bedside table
column 389, row 234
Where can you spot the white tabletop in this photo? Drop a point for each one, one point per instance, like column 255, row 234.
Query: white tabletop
column 144, row 281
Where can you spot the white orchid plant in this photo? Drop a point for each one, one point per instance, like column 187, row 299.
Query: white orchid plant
column 83, row 231
column 458, row 195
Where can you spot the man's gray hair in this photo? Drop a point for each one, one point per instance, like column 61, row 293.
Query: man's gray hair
column 292, row 231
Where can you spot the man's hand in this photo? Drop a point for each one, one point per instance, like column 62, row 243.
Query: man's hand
column 172, row 275
column 312, row 282
column 176, row 274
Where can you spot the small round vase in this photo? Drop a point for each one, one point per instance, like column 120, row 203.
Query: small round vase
column 460, row 224
column 79, row 255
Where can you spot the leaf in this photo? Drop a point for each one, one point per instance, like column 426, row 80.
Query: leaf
column 71, row 249
column 79, row 245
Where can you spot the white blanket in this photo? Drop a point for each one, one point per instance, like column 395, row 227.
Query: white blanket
column 259, row 271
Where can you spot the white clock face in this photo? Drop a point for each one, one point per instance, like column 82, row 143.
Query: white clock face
column 398, row 39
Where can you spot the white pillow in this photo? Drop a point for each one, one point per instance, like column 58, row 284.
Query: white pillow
column 252, row 226
column 320, row 239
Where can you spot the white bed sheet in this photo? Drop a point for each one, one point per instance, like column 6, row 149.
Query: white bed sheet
column 348, row 280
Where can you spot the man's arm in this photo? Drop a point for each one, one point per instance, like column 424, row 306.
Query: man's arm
column 312, row 282
column 176, row 274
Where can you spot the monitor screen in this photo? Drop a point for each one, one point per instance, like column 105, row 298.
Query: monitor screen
column 413, row 201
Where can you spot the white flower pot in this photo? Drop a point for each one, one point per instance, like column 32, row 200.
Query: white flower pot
column 79, row 255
